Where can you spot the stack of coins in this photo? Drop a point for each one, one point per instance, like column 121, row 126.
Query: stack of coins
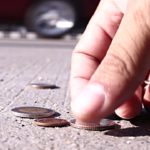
column 105, row 124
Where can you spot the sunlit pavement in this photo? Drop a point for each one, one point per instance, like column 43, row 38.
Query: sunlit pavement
column 23, row 61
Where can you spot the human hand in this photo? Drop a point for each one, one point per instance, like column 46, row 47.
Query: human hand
column 111, row 61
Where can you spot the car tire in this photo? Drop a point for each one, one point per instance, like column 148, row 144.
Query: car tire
column 51, row 18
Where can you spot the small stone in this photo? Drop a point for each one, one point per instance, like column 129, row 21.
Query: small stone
column 128, row 142
column 1, row 80
column 131, row 138
column 40, row 78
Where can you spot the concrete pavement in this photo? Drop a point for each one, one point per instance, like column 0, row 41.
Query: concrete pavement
column 24, row 62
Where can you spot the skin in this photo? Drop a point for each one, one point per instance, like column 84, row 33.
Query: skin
column 111, row 61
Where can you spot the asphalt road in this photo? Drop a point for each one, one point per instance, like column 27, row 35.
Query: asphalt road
column 23, row 62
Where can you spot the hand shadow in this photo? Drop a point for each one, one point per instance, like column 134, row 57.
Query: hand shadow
column 141, row 127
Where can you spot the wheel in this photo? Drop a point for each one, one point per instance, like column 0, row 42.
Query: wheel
column 51, row 18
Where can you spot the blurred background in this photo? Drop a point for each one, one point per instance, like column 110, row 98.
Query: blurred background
column 31, row 19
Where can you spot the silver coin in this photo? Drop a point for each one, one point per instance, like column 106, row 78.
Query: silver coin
column 32, row 112
column 43, row 86
column 105, row 124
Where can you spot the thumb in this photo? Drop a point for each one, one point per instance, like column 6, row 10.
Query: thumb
column 122, row 70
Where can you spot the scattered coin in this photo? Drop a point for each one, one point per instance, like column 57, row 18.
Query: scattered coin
column 105, row 124
column 43, row 86
column 51, row 122
column 32, row 112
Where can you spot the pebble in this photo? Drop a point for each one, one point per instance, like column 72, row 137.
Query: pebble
column 128, row 142
column 131, row 138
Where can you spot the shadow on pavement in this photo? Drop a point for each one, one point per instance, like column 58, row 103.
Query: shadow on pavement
column 128, row 132
column 141, row 127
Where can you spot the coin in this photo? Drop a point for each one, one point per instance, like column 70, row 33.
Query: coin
column 43, row 86
column 32, row 112
column 51, row 122
column 105, row 124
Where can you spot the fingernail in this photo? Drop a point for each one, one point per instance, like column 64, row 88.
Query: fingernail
column 89, row 101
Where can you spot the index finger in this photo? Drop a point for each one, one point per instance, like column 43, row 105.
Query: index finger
column 94, row 44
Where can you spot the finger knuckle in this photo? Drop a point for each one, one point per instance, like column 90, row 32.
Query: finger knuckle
column 117, row 65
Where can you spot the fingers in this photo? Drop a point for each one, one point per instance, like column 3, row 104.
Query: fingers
column 121, row 71
column 131, row 107
column 94, row 44
column 127, row 60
